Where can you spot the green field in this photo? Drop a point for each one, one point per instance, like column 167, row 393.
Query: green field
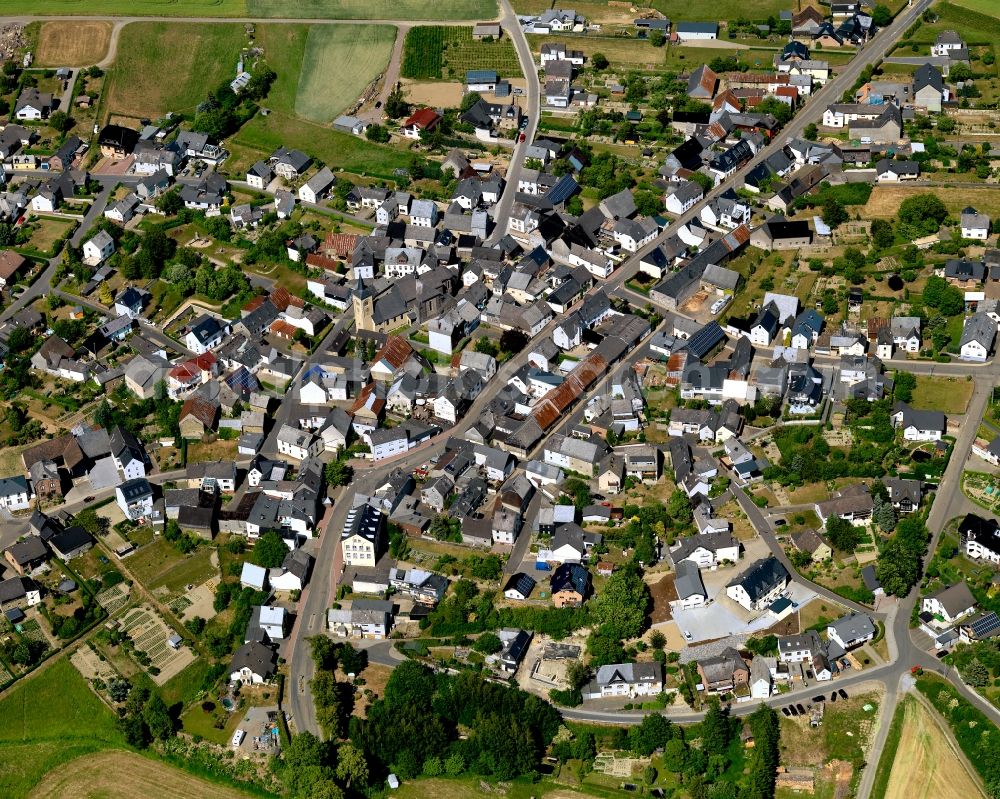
column 286, row 48
column 170, row 66
column 48, row 720
column 354, row 54
column 719, row 9
column 432, row 52
column 301, row 9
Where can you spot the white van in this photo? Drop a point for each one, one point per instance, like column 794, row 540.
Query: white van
column 238, row 737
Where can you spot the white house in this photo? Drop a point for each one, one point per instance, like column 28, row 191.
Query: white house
column 919, row 425
column 950, row 604
column 253, row 664
column 759, row 585
column 852, row 630
column 975, row 226
column 684, row 197
column 15, row 494
column 707, row 550
column 99, row 248
column 298, row 444
column 626, row 679
column 978, row 334
column 313, row 190
column 690, row 589
column 253, row 576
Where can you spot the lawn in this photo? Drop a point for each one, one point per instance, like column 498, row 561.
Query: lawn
column 885, row 200
column 49, row 719
column 262, row 135
column 949, row 395
column 626, row 52
column 925, row 762
column 46, row 231
column 436, row 51
column 304, row 9
column 842, row 736
column 167, row 66
column 126, row 775
column 74, row 44
column 160, row 564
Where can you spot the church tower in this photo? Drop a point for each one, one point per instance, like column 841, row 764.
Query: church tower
column 364, row 307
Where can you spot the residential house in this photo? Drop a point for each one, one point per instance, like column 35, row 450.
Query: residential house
column 919, row 425
column 811, row 543
column 950, row 604
column 978, row 333
column 569, row 585
column 253, row 664
column 626, row 679
column 852, row 631
column 759, row 585
column 362, row 538
column 724, row 672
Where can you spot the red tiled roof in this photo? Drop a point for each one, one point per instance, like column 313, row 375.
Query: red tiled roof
column 322, row 262
column 424, row 118
column 395, row 352
column 280, row 297
column 282, row 329
column 341, row 244
column 201, row 409
column 253, row 304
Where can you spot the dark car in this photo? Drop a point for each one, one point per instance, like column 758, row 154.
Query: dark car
column 820, row 698
column 88, row 499
column 843, row 693
column 802, row 710
column 785, row 711
column 833, row 697
column 942, row 653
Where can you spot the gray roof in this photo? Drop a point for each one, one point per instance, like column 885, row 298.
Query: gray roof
column 853, row 627
column 688, row 580
column 761, row 577
column 955, row 598
column 979, row 327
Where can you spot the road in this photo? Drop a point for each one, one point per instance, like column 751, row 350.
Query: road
column 532, row 98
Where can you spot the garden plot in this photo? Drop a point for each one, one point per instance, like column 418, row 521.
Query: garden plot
column 149, row 633
column 115, row 598
column 91, row 666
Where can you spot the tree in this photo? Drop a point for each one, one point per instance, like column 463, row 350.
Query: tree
column 679, row 508
column 324, row 652
column 834, row 213
column 959, row 72
column 882, row 233
column 61, row 121
column 940, row 294
column 352, row 661
column 811, row 132
column 651, row 734
column 454, row 765
column 585, row 746
column 513, row 341
column 842, row 534
column 773, row 106
column 338, row 473
column 881, row 16
column 599, row 61
column 469, row 100
column 657, row 640
column 377, row 133
column 395, row 104
column 657, row 38
column 486, row 346
column 922, row 214
column 897, row 568
column 351, row 765
column 488, row 644
column 976, row 674
column 903, row 386
column 269, row 551
column 577, row 675
column 884, row 516
column 675, row 755
column 118, row 689
column 158, row 718
column 716, row 729
column 621, row 608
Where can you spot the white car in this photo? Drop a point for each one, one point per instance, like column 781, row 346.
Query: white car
column 688, row 636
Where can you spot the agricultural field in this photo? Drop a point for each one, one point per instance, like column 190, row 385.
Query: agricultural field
column 164, row 66
column 927, row 762
column 721, row 9
column 885, row 200
column 355, row 54
column 32, row 743
column 432, row 52
column 304, row 9
column 72, row 44
column 950, row 395
column 126, row 775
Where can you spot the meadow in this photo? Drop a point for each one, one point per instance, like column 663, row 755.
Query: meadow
column 301, row 9
column 50, row 719
column 338, row 64
column 73, row 44
column 432, row 52
column 169, row 66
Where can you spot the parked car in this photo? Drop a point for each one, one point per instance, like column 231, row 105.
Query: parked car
column 833, row 697
column 785, row 711
column 843, row 693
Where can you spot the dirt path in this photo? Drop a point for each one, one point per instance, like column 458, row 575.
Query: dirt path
column 109, row 57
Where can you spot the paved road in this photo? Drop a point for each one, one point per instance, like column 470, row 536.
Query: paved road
column 532, row 99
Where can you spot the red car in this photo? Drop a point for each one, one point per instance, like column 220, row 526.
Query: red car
column 522, row 137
